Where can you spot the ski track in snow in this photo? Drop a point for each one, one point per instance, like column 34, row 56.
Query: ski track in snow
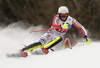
column 80, row 56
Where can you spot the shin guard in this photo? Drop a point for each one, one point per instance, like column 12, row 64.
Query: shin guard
column 52, row 43
column 32, row 46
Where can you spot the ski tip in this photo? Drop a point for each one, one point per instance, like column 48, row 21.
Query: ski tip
column 25, row 54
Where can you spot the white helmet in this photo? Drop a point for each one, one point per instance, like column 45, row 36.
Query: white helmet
column 63, row 10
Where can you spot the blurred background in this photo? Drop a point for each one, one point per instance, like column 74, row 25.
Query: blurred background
column 41, row 12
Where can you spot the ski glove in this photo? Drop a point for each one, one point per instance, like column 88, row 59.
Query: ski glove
column 87, row 40
column 66, row 26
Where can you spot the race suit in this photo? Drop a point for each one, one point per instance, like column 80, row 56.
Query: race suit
column 58, row 32
column 55, row 35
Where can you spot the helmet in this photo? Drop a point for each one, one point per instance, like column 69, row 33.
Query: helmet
column 63, row 10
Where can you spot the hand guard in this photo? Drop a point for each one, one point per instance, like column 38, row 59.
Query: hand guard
column 66, row 26
column 87, row 40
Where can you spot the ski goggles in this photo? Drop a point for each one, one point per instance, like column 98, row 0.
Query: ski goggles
column 63, row 15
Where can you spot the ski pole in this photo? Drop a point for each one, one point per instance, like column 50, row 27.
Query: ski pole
column 44, row 29
column 41, row 30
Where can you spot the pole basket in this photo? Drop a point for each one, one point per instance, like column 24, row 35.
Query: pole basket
column 67, row 39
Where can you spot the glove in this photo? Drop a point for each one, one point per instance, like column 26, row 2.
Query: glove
column 66, row 26
column 87, row 40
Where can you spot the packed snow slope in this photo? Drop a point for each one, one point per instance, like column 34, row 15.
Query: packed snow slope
column 80, row 56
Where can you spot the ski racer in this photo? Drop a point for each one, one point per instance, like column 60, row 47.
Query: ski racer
column 61, row 23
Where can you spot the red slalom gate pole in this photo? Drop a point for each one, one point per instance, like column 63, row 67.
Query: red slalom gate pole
column 67, row 39
column 41, row 30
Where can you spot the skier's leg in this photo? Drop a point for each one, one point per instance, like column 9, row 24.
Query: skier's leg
column 32, row 46
column 51, row 44
column 43, row 40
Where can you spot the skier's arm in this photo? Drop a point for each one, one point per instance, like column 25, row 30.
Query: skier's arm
column 54, row 22
column 81, row 28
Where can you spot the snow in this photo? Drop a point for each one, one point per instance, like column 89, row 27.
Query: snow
column 80, row 56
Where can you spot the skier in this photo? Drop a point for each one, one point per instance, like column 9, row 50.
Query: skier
column 61, row 23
